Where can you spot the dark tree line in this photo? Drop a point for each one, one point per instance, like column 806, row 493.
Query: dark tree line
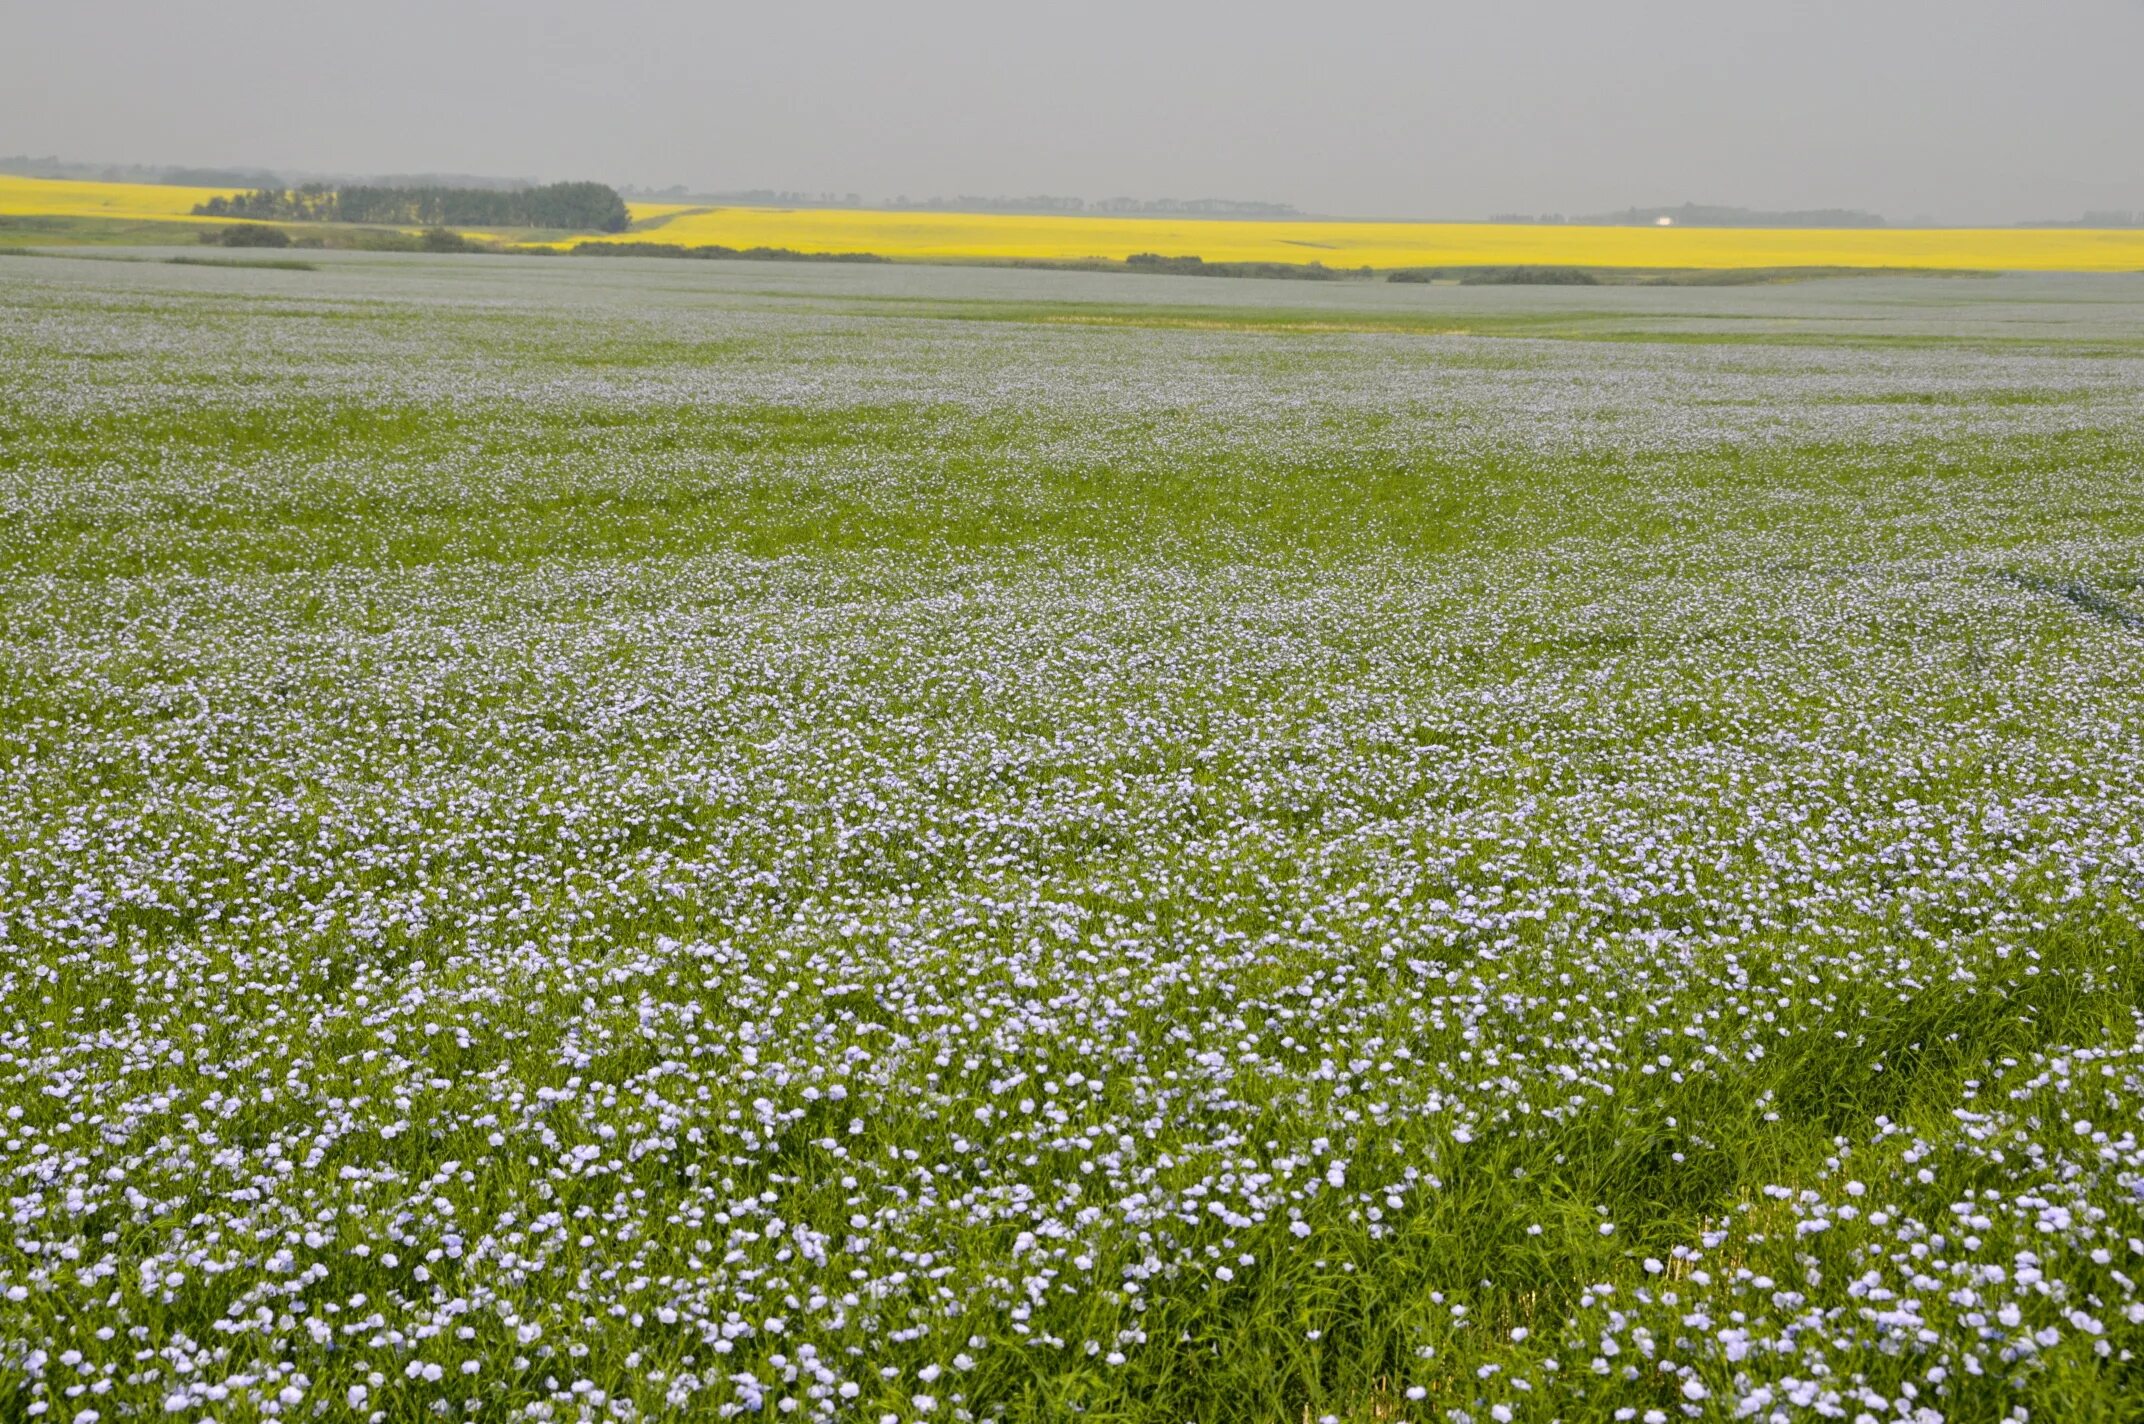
column 1193, row 266
column 578, row 207
column 715, row 251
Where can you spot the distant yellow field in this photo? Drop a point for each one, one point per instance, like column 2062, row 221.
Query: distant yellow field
column 977, row 237
column 66, row 198
column 972, row 237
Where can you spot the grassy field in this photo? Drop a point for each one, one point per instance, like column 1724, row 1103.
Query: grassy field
column 665, row 840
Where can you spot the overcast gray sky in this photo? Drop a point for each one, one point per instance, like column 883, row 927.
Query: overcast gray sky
column 1965, row 110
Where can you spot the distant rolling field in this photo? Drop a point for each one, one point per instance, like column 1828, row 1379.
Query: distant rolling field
column 1015, row 237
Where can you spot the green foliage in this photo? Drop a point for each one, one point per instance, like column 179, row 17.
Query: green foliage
column 1529, row 277
column 716, row 252
column 374, row 239
column 248, row 235
column 1192, row 266
column 575, row 207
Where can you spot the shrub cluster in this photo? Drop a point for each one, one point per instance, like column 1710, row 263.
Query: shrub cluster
column 247, row 235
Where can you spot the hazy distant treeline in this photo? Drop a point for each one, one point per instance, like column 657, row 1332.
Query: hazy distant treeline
column 715, row 251
column 746, row 197
column 1113, row 207
column 2105, row 217
column 1708, row 215
column 227, row 176
column 974, row 203
column 579, row 207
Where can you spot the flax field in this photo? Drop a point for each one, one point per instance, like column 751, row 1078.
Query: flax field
column 688, row 841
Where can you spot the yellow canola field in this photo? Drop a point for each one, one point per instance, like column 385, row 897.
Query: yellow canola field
column 970, row 237
column 67, row 198
column 958, row 237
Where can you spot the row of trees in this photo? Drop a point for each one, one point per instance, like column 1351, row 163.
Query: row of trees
column 1194, row 266
column 714, row 251
column 577, row 207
